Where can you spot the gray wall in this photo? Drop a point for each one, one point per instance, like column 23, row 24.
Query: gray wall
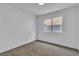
column 69, row 36
column 16, row 27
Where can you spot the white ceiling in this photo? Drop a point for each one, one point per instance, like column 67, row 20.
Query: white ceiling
column 37, row 9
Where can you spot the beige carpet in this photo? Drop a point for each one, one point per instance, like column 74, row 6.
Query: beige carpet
column 40, row 49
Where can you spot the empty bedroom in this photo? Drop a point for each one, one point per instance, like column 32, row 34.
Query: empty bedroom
column 33, row 29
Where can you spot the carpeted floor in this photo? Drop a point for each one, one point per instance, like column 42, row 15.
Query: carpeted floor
column 38, row 48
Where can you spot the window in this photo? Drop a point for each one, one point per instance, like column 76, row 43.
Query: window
column 53, row 25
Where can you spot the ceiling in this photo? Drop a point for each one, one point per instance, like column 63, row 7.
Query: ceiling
column 37, row 9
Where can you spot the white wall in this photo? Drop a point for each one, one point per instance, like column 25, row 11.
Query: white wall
column 16, row 27
column 69, row 36
column 78, row 27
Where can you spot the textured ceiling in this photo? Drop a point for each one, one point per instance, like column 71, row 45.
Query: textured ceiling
column 42, row 9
